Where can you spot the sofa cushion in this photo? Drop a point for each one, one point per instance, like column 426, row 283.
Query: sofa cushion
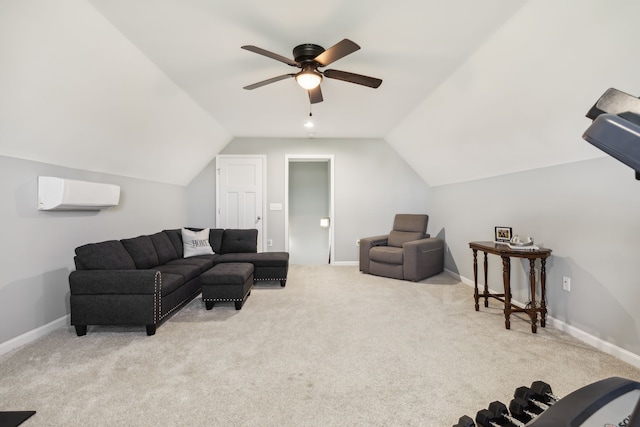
column 164, row 248
column 386, row 254
column 176, row 240
column 170, row 282
column 142, row 251
column 187, row 271
column 236, row 241
column 109, row 255
column 262, row 259
column 398, row 238
column 215, row 238
column 196, row 242
column 203, row 262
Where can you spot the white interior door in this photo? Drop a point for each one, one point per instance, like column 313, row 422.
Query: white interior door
column 240, row 184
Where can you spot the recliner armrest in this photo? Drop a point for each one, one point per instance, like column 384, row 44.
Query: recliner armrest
column 423, row 258
column 114, row 282
column 423, row 245
column 366, row 244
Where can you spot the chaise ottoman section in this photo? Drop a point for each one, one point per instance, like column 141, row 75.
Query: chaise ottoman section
column 227, row 282
column 269, row 266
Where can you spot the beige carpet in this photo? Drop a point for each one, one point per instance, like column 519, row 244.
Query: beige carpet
column 333, row 348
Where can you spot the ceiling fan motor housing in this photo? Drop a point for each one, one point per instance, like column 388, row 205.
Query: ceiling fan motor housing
column 306, row 52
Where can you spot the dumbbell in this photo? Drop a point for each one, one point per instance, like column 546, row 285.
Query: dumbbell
column 543, row 391
column 495, row 416
column 486, row 418
column 500, row 411
column 528, row 395
column 465, row 421
column 522, row 410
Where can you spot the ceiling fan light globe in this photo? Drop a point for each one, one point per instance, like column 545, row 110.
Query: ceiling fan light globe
column 308, row 79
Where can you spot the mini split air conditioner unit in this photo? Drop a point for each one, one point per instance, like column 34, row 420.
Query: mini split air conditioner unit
column 56, row 194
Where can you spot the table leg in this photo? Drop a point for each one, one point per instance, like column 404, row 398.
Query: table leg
column 475, row 278
column 533, row 312
column 506, row 278
column 543, row 291
column 486, row 281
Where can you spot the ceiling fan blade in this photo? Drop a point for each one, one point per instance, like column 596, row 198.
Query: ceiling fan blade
column 271, row 55
column 335, row 52
column 268, row 81
column 315, row 95
column 353, row 78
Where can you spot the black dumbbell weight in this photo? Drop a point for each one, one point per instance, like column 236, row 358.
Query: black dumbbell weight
column 500, row 411
column 465, row 421
column 525, row 393
column 543, row 392
column 521, row 410
column 486, row 418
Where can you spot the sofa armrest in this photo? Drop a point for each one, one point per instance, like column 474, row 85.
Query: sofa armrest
column 365, row 246
column 114, row 282
column 423, row 258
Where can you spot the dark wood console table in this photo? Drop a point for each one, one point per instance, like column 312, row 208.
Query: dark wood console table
column 506, row 253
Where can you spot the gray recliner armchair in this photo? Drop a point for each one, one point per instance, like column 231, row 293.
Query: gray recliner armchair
column 406, row 253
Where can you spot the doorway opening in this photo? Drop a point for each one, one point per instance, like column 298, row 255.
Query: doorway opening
column 309, row 215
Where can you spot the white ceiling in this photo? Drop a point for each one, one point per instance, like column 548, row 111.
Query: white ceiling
column 153, row 88
column 413, row 45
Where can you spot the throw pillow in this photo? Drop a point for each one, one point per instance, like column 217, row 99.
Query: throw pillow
column 196, row 242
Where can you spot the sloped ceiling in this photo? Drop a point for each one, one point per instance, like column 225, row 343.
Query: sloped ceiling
column 519, row 101
column 75, row 92
column 153, row 88
column 413, row 46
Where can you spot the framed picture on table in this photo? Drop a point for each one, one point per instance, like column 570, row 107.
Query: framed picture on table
column 503, row 234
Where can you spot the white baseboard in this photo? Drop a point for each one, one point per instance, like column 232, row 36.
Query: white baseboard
column 602, row 345
column 33, row 335
column 344, row 263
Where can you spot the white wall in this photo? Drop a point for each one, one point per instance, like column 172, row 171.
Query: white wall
column 77, row 93
column 38, row 246
column 372, row 184
column 201, row 198
column 586, row 212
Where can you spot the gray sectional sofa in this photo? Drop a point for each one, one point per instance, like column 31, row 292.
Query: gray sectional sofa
column 142, row 280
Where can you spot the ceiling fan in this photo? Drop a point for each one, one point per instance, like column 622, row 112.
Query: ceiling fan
column 309, row 57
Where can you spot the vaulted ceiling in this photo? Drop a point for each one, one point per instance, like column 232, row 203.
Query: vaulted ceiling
column 412, row 46
column 153, row 88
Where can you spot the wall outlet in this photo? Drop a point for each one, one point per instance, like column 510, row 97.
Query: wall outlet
column 269, row 242
column 566, row 284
